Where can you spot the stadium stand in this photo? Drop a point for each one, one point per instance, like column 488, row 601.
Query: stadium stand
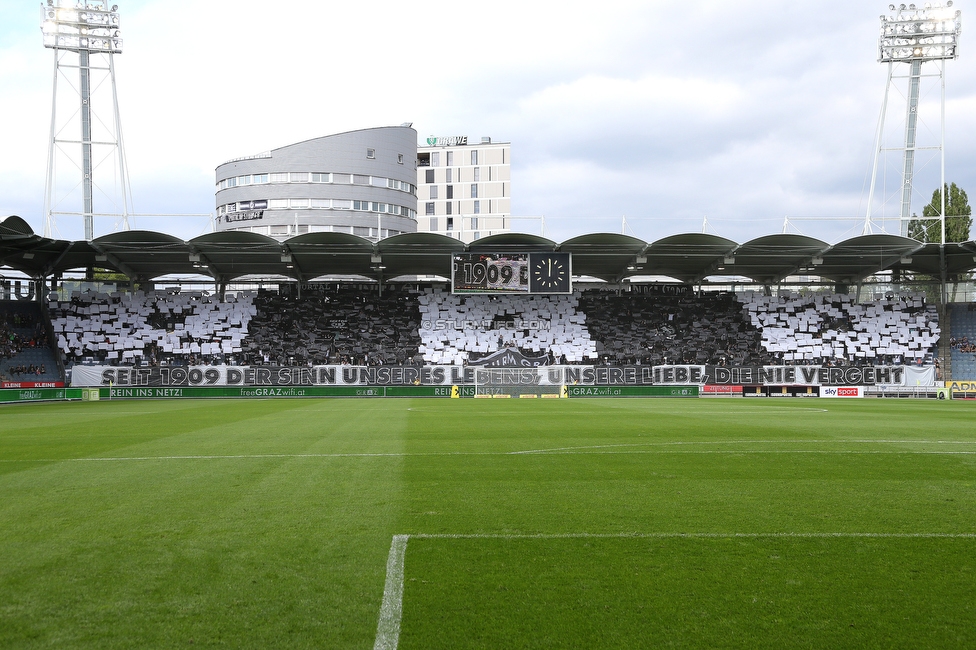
column 154, row 327
column 25, row 350
column 411, row 324
column 341, row 324
column 963, row 342
column 460, row 328
column 830, row 328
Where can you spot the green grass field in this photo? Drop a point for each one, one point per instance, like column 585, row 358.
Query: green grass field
column 528, row 523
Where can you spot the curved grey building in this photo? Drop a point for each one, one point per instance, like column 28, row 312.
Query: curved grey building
column 358, row 182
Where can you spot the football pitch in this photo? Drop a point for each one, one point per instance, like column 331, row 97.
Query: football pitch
column 412, row 523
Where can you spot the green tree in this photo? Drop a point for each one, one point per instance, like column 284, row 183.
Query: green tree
column 958, row 218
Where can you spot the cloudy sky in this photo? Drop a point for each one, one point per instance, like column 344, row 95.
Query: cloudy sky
column 664, row 113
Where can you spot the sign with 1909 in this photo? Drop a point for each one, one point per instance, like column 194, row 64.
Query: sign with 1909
column 541, row 272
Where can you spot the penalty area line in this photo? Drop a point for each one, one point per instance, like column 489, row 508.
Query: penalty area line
column 391, row 609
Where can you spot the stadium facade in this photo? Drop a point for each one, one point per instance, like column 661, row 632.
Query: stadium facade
column 358, row 182
column 464, row 188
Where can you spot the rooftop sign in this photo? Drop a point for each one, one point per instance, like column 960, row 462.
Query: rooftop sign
column 453, row 141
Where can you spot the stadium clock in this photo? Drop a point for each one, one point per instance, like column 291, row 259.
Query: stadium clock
column 549, row 273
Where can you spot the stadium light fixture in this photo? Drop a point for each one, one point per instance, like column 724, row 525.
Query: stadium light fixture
column 85, row 28
column 914, row 35
column 930, row 33
column 77, row 26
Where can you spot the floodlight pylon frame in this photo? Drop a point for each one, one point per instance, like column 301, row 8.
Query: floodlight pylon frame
column 926, row 34
column 83, row 30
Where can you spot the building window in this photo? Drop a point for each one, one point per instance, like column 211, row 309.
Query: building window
column 433, row 224
column 477, row 235
column 477, row 207
column 474, row 223
column 474, row 190
column 371, row 153
column 474, row 157
column 260, row 179
column 450, row 192
column 477, row 174
column 299, row 204
column 433, row 191
column 430, row 208
column 449, row 207
column 450, row 158
column 343, row 179
column 299, row 177
column 316, row 178
column 450, row 220
column 360, row 179
column 429, row 174
column 449, row 175
column 278, row 204
column 435, row 159
column 279, row 178
column 400, row 158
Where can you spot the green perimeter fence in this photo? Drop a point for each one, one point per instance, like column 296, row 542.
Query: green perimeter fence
column 61, row 394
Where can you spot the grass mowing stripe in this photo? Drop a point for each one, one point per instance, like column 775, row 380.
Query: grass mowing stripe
column 694, row 593
column 391, row 610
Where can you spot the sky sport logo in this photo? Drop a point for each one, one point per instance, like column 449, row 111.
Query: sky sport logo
column 841, row 391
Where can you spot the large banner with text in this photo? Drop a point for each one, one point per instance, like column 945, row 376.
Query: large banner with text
column 470, row 376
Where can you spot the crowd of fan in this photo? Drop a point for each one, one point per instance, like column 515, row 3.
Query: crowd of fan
column 356, row 324
column 29, row 369
column 833, row 329
column 151, row 328
column 459, row 329
column 963, row 344
column 18, row 331
column 21, row 332
column 691, row 328
column 335, row 324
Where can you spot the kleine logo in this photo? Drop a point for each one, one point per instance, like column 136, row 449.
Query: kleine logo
column 847, row 392
column 830, row 392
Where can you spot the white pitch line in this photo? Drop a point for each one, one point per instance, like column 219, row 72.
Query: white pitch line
column 676, row 443
column 635, row 535
column 754, row 452
column 391, row 610
column 621, row 449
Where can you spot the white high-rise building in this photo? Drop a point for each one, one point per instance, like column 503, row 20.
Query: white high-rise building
column 464, row 188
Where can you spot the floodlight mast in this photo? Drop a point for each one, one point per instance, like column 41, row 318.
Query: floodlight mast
column 915, row 35
column 83, row 27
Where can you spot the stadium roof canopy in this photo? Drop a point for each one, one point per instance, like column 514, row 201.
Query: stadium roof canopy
column 689, row 258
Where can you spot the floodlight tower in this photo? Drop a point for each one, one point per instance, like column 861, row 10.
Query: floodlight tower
column 90, row 30
column 914, row 35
